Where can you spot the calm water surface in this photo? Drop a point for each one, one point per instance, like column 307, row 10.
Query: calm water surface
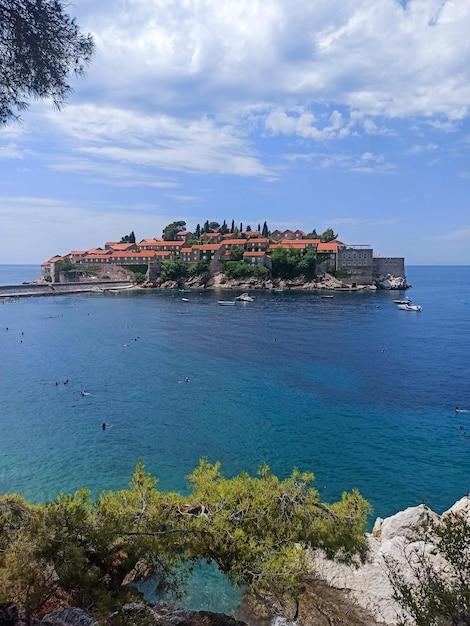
column 351, row 388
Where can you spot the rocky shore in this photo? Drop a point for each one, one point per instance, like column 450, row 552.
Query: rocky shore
column 324, row 282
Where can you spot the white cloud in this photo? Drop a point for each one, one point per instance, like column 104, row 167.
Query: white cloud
column 377, row 58
column 110, row 135
column 10, row 151
column 302, row 123
column 366, row 162
column 419, row 149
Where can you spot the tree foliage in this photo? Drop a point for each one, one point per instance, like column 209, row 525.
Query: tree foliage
column 328, row 235
column 289, row 263
column 239, row 269
column 130, row 238
column 256, row 529
column 437, row 591
column 170, row 231
column 40, row 46
column 174, row 269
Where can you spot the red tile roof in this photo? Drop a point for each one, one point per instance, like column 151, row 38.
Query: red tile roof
column 331, row 246
column 254, row 254
column 235, row 242
column 208, row 246
column 53, row 259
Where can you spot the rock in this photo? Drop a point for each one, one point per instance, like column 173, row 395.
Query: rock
column 68, row 616
column 368, row 585
column 404, row 523
column 462, row 507
column 391, row 282
column 170, row 615
column 10, row 616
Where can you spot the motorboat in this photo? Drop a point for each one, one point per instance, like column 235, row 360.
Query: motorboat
column 402, row 301
column 409, row 307
column 226, row 302
column 245, row 297
column 184, row 299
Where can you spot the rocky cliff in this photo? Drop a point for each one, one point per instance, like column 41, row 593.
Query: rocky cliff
column 368, row 586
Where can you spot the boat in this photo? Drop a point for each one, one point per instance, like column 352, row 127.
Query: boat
column 402, row 301
column 245, row 297
column 410, row 307
column 327, row 297
column 226, row 302
column 184, row 299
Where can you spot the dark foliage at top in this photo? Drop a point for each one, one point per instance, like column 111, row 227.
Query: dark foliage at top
column 40, row 45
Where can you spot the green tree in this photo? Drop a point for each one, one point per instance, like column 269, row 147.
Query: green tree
column 236, row 253
column 128, row 238
column 213, row 226
column 174, row 269
column 265, row 231
column 201, row 267
column 307, row 264
column 328, row 235
column 40, row 46
column 256, row 529
column 285, row 263
column 169, row 232
column 312, row 235
column 197, row 232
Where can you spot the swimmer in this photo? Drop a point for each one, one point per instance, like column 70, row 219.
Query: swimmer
column 457, row 410
column 103, row 425
column 186, row 380
column 66, row 381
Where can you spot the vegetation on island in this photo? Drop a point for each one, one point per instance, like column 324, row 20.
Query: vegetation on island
column 257, row 530
column 40, row 46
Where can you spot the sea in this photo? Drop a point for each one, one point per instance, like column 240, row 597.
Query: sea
column 350, row 388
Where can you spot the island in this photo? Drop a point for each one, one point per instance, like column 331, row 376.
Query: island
column 222, row 257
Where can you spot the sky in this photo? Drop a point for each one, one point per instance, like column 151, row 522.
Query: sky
column 313, row 114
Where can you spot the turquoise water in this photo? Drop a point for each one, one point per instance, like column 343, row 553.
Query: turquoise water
column 351, row 388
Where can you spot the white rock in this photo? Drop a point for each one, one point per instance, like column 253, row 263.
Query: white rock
column 391, row 538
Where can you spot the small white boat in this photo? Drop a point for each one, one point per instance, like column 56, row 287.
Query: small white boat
column 226, row 302
column 402, row 301
column 327, row 297
column 245, row 297
column 184, row 299
column 409, row 307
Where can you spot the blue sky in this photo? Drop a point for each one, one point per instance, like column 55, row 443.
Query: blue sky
column 349, row 114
